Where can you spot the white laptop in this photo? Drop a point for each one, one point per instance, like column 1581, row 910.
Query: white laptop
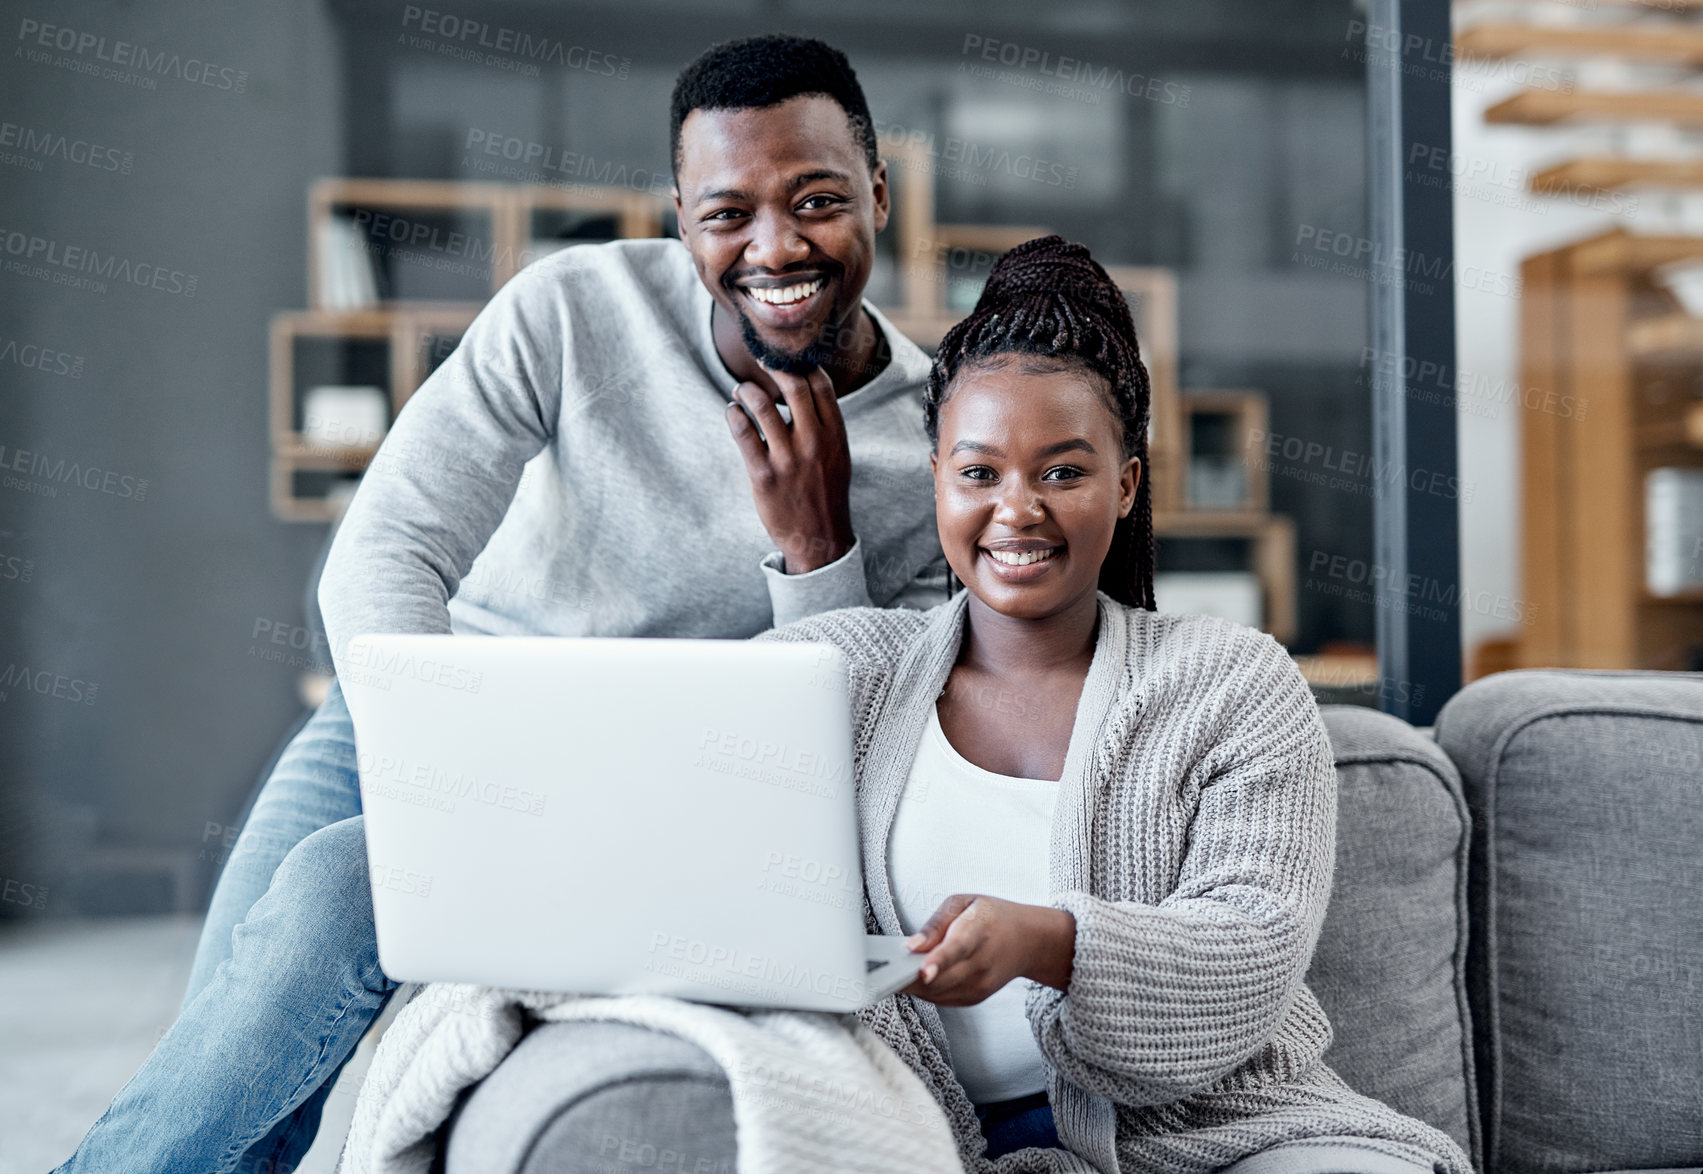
column 616, row 816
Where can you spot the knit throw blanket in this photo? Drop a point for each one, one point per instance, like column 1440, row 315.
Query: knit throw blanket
column 811, row 1091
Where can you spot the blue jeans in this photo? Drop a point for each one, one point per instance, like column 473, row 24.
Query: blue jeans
column 1015, row 1125
column 286, row 982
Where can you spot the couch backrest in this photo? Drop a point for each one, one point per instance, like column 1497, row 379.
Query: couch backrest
column 1586, row 965
column 1390, row 968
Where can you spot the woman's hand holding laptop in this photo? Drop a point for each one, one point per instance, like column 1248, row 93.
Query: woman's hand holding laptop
column 975, row 944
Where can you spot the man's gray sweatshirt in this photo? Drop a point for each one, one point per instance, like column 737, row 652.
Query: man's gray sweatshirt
column 568, row 471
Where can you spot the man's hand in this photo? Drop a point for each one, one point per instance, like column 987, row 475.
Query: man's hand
column 976, row 944
column 800, row 472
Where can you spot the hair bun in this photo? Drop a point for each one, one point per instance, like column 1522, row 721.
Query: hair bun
column 1053, row 267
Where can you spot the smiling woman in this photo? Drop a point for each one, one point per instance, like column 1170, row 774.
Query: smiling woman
column 1117, row 879
column 1085, row 392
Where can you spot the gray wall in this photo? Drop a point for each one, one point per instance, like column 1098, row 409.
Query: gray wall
column 147, row 597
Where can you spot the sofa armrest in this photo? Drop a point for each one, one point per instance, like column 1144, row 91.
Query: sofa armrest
column 584, row 1096
column 1586, row 958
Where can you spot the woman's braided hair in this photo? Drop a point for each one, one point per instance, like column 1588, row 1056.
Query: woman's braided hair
column 1047, row 297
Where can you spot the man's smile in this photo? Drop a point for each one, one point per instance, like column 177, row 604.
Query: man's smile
column 782, row 301
column 785, row 295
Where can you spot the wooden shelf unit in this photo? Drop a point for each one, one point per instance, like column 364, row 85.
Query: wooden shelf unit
column 1339, row 670
column 1544, row 107
column 1585, row 307
column 928, row 253
column 1273, row 539
column 402, row 332
column 1250, row 414
column 405, row 204
column 922, row 247
column 1627, row 42
column 1606, row 173
column 508, row 209
column 1634, row 7
column 1622, row 252
column 637, row 216
column 1152, row 296
column 407, row 328
column 1673, row 337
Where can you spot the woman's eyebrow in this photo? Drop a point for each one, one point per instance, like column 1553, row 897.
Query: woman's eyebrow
column 1074, row 444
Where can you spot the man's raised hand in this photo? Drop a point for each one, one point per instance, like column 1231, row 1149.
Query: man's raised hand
column 800, row 472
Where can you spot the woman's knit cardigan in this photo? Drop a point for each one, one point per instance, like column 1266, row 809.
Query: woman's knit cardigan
column 1193, row 840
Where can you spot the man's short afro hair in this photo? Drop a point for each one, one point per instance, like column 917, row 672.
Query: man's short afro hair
column 754, row 72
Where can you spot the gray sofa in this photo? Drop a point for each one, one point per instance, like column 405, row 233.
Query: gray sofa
column 1514, row 953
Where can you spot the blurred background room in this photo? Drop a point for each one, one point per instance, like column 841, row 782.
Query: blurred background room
column 220, row 278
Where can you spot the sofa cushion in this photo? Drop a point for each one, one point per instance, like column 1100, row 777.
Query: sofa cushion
column 1389, row 969
column 1587, row 955
column 1324, row 1155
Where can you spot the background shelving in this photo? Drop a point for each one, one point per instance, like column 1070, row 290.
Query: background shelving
column 376, row 244
column 397, row 269
column 1598, row 332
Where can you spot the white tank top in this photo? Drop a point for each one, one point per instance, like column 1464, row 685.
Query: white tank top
column 962, row 829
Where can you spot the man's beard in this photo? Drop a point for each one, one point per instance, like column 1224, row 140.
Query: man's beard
column 800, row 362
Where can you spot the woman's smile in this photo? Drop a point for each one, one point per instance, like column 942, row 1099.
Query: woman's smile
column 1021, row 560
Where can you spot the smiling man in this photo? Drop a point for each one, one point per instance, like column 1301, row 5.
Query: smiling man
column 639, row 386
column 804, row 310
column 784, row 250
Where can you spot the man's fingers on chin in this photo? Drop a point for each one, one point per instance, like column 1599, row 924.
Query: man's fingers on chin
column 751, row 448
column 806, row 413
column 828, row 411
column 745, row 431
column 790, row 385
column 825, row 389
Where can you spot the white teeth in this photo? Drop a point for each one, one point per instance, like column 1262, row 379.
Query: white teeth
column 1012, row 558
column 786, row 296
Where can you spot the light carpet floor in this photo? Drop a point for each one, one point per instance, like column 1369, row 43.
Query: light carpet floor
column 81, row 1005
